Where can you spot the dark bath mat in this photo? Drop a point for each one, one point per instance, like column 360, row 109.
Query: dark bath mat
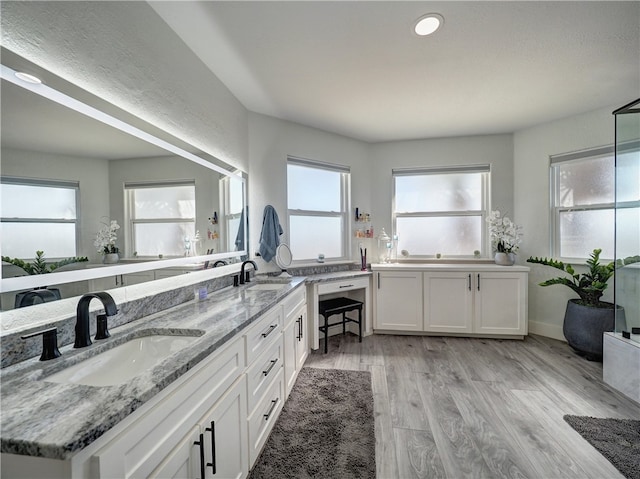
column 325, row 430
column 617, row 439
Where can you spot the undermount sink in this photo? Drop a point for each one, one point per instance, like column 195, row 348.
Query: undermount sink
column 266, row 287
column 124, row 362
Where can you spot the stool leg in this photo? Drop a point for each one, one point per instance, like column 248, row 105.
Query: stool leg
column 359, row 325
column 344, row 323
column 326, row 333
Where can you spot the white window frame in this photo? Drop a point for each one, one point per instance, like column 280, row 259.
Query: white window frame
column 345, row 201
column 482, row 213
column 72, row 185
column 554, row 201
column 130, row 221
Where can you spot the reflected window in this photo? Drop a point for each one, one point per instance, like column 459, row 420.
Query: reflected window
column 161, row 218
column 441, row 210
column 232, row 202
column 317, row 199
column 583, row 203
column 38, row 215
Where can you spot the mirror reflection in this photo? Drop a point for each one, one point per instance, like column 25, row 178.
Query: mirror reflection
column 101, row 208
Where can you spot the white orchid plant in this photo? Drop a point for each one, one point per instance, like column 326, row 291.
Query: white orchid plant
column 505, row 234
column 106, row 238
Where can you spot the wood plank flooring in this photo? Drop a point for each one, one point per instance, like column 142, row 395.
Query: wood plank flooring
column 467, row 407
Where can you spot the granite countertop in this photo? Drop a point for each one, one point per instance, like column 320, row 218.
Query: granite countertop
column 40, row 418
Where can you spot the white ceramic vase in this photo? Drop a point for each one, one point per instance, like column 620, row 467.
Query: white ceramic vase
column 505, row 259
column 111, row 258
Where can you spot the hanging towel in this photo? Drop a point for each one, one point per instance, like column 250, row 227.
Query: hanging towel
column 270, row 234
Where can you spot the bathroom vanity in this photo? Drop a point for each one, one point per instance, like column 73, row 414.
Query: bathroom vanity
column 482, row 299
column 207, row 406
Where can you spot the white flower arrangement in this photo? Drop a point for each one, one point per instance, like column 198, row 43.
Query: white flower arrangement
column 106, row 238
column 505, row 234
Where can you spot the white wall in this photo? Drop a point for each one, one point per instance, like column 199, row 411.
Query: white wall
column 532, row 148
column 121, row 51
column 270, row 142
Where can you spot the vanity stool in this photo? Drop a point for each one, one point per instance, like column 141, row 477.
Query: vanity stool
column 329, row 307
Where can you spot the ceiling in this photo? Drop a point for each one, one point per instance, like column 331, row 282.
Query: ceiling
column 357, row 69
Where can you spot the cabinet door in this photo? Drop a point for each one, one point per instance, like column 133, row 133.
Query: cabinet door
column 290, row 340
column 501, row 303
column 302, row 342
column 448, row 302
column 399, row 300
column 183, row 461
column 226, row 452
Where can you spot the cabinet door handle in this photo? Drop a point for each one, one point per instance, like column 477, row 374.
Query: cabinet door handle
column 212, row 464
column 271, row 328
column 346, row 286
column 299, row 321
column 201, row 444
column 268, row 370
column 378, row 280
column 274, row 402
column 301, row 330
column 478, row 281
column 469, row 281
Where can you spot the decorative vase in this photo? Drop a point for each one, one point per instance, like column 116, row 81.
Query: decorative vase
column 584, row 327
column 505, row 259
column 111, row 258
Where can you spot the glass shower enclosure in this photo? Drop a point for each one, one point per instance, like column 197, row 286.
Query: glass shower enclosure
column 627, row 217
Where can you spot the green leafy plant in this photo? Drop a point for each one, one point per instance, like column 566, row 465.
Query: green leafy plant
column 40, row 266
column 590, row 286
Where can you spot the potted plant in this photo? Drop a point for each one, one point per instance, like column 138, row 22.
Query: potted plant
column 105, row 242
column 588, row 317
column 505, row 238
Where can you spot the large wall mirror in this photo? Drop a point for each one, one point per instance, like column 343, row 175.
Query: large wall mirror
column 72, row 164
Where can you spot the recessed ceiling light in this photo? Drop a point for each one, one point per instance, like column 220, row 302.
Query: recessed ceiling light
column 428, row 24
column 28, row 78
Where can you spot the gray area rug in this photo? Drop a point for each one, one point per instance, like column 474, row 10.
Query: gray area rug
column 326, row 429
column 617, row 439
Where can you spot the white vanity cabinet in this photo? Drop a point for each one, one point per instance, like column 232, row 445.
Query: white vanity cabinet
column 457, row 299
column 296, row 344
column 398, row 300
column 491, row 303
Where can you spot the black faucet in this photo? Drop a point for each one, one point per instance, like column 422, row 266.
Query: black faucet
column 83, row 337
column 243, row 278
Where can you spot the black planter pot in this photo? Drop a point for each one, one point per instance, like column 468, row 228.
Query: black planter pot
column 584, row 327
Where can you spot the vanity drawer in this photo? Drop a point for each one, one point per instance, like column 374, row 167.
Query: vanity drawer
column 264, row 416
column 263, row 370
column 343, row 285
column 260, row 335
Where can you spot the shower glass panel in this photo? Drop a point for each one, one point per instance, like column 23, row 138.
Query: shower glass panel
column 627, row 278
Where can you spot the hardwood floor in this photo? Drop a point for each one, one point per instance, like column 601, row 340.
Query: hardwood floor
column 466, row 407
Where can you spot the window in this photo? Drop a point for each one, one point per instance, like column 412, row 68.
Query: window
column 160, row 216
column 38, row 215
column 582, row 197
column 441, row 210
column 318, row 205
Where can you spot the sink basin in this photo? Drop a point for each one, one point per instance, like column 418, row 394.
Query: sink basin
column 266, row 287
column 123, row 362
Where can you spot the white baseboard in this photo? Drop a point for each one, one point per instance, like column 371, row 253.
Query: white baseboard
column 552, row 331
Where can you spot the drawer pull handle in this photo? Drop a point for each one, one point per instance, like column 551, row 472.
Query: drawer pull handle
column 274, row 402
column 212, row 464
column 201, row 444
column 271, row 328
column 346, row 286
column 268, row 370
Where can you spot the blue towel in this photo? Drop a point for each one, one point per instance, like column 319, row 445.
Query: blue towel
column 270, row 234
